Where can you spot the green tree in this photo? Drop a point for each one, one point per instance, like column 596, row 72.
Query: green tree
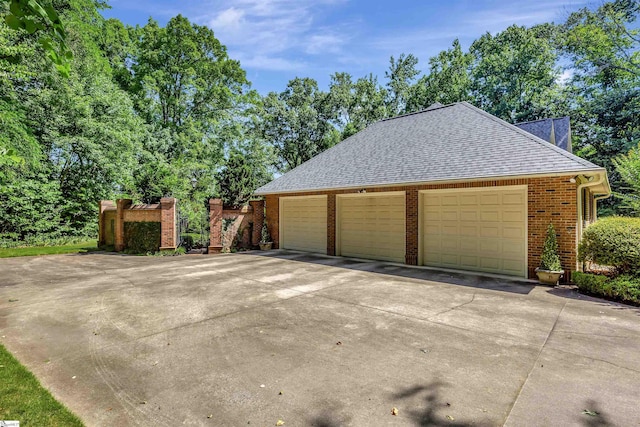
column 42, row 19
column 355, row 104
column 514, row 73
column 298, row 123
column 448, row 80
column 401, row 76
column 628, row 166
column 603, row 46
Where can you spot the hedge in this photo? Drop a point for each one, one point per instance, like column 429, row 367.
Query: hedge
column 613, row 241
column 142, row 237
column 624, row 288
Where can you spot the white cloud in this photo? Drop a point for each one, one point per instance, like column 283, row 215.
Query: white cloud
column 229, row 19
column 271, row 63
column 519, row 13
column 264, row 33
column 325, row 43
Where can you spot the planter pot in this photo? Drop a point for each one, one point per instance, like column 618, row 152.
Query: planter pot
column 549, row 277
column 265, row 246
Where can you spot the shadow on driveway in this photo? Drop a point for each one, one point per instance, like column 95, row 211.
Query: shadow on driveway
column 503, row 284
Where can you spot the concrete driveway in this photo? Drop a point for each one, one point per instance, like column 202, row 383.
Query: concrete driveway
column 254, row 338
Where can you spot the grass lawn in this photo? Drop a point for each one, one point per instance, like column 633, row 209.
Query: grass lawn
column 49, row 250
column 24, row 399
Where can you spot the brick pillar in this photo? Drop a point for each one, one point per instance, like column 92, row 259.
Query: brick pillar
column 411, row 250
column 331, row 224
column 103, row 205
column 215, row 226
column 258, row 220
column 121, row 205
column 168, row 229
column 272, row 216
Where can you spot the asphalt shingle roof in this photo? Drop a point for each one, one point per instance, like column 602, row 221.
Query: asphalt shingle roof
column 452, row 142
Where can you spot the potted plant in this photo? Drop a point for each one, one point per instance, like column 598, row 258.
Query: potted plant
column 550, row 270
column 265, row 240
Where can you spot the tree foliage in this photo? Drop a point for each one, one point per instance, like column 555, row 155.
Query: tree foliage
column 153, row 111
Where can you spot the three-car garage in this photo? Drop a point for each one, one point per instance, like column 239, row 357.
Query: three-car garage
column 480, row 229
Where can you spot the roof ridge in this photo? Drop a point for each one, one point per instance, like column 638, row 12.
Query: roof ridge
column 424, row 110
column 539, row 120
column 531, row 136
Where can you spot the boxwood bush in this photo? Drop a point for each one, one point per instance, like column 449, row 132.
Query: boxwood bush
column 624, row 288
column 613, row 241
column 142, row 237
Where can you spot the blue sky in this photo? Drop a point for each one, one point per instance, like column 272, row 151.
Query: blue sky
column 277, row 40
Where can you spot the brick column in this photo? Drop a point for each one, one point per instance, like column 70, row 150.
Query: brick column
column 168, row 229
column 121, row 205
column 103, row 205
column 272, row 209
column 411, row 250
column 215, row 226
column 331, row 224
column 258, row 220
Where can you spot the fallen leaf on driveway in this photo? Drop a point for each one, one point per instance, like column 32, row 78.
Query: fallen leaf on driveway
column 394, row 411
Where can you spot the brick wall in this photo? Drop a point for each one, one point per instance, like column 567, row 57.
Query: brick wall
column 124, row 211
column 550, row 200
column 237, row 227
column 553, row 200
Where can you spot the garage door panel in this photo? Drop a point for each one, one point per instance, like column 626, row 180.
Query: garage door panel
column 373, row 226
column 513, row 199
column 303, row 223
column 490, row 199
column 483, row 229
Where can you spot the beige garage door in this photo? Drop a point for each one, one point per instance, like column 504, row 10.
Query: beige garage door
column 303, row 223
column 371, row 226
column 476, row 229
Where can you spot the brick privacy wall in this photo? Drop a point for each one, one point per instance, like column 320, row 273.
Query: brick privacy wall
column 109, row 228
column 105, row 230
column 215, row 226
column 169, row 231
column 123, row 211
column 142, row 215
column 237, row 222
column 550, row 200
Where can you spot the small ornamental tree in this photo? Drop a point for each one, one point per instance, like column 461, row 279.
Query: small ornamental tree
column 550, row 259
column 265, row 236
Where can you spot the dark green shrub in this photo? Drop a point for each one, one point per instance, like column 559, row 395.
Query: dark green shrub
column 613, row 241
column 589, row 283
column 549, row 260
column 142, row 237
column 625, row 288
column 187, row 241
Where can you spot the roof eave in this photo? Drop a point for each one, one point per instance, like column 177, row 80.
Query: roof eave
column 445, row 181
